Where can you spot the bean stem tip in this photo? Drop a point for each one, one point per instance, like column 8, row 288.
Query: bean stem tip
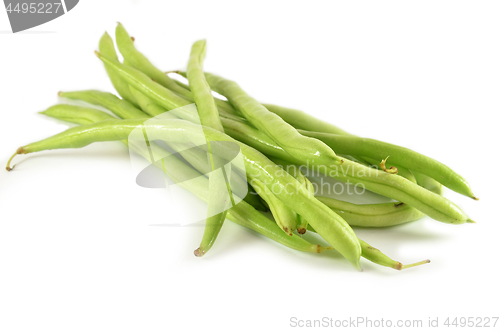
column 8, row 167
column 406, row 266
column 391, row 170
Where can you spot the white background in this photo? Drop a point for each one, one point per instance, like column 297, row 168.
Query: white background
column 78, row 250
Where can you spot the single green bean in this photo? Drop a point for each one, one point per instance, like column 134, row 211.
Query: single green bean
column 107, row 48
column 209, row 117
column 77, row 114
column 202, row 94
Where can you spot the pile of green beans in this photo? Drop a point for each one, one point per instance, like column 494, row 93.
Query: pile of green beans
column 281, row 148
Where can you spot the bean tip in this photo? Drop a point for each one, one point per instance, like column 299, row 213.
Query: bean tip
column 98, row 54
column 471, row 221
column 475, row 198
column 301, row 230
column 199, row 252
column 60, row 93
column 8, row 167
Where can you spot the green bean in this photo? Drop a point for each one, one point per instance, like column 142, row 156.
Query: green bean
column 76, row 114
column 107, row 48
column 395, row 187
column 285, row 217
column 209, row 117
column 120, row 107
column 272, row 125
column 202, row 94
column 328, row 224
